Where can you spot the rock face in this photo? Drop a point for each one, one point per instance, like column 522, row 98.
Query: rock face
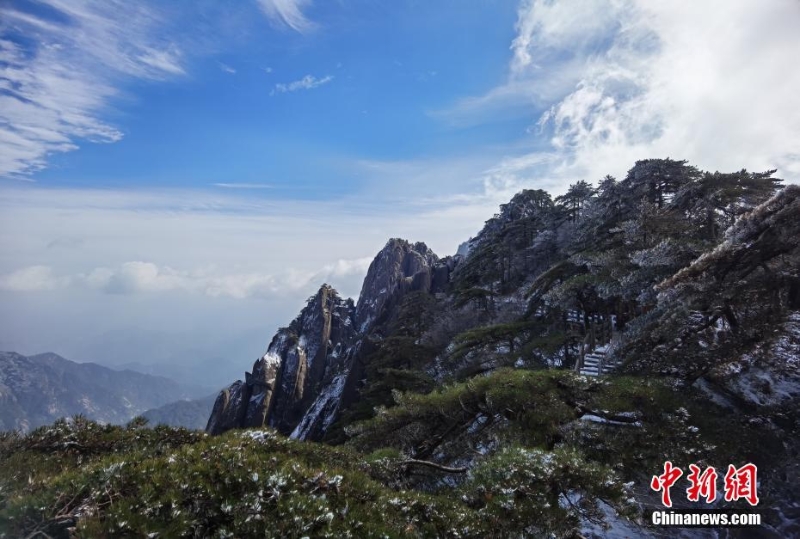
column 312, row 368
column 400, row 267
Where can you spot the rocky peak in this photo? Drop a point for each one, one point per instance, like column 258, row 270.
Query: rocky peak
column 312, row 367
column 399, row 267
column 284, row 380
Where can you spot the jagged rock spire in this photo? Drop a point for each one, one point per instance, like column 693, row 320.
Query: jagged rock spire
column 312, row 367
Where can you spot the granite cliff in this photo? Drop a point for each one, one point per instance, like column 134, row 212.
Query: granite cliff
column 313, row 367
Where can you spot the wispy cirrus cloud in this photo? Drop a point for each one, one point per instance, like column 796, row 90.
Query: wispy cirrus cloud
column 227, row 69
column 288, row 13
column 306, row 83
column 61, row 71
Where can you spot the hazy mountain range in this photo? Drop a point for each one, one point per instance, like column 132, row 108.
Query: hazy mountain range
column 36, row 390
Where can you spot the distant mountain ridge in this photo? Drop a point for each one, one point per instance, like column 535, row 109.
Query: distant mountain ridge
column 187, row 413
column 36, row 390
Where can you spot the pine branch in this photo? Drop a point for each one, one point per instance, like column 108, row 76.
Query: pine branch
column 435, row 466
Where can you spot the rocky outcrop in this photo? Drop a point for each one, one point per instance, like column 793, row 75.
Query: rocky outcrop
column 284, row 381
column 312, row 368
column 398, row 268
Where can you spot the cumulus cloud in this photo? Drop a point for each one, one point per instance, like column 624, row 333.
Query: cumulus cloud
column 57, row 82
column 289, row 13
column 608, row 82
column 213, row 262
column 31, row 279
column 306, row 83
column 346, row 275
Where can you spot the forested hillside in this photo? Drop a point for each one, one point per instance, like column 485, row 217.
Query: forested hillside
column 530, row 387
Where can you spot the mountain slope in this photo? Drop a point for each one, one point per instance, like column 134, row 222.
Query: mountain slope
column 39, row 389
column 187, row 413
column 313, row 367
column 682, row 283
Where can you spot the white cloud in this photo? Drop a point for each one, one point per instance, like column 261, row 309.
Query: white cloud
column 608, row 82
column 346, row 275
column 306, row 83
column 230, row 242
column 227, row 69
column 54, row 92
column 211, row 263
column 31, row 279
column 288, row 12
column 137, row 277
column 555, row 30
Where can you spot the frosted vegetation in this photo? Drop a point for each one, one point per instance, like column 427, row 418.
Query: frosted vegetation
column 470, row 417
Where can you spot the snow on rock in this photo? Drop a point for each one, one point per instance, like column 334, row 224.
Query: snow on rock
column 323, row 411
column 283, row 381
column 271, row 358
column 305, row 378
column 769, row 375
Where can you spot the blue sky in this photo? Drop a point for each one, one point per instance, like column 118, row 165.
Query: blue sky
column 183, row 174
column 271, row 105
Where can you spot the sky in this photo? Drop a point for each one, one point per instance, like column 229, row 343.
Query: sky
column 176, row 178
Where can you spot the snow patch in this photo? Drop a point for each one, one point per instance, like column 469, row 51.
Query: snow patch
column 258, row 435
column 324, row 408
column 271, row 358
column 597, row 419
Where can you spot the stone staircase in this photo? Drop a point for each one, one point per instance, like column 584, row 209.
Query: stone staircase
column 574, row 317
column 595, row 363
